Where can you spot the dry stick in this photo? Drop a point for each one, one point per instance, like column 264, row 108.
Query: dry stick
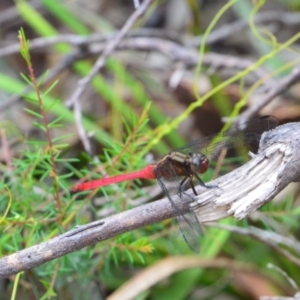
column 227, row 30
column 110, row 47
column 44, row 43
column 273, row 92
column 12, row 14
column 83, row 83
column 179, row 53
column 175, row 51
column 136, row 4
column 239, row 193
column 77, row 54
column 219, row 34
column 85, row 235
column 80, row 128
column 280, row 87
column 289, row 19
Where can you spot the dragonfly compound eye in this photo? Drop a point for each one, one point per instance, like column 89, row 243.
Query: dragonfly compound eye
column 199, row 163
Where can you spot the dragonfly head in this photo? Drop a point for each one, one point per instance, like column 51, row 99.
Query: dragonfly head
column 199, row 163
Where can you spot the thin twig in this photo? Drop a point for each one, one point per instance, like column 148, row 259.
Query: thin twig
column 12, row 14
column 24, row 49
column 81, row 41
column 80, row 129
column 176, row 52
column 227, row 30
column 109, row 48
column 219, row 34
column 281, row 86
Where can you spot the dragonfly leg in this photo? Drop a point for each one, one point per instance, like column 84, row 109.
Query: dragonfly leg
column 203, row 184
column 193, row 187
column 199, row 179
column 183, row 184
column 186, row 180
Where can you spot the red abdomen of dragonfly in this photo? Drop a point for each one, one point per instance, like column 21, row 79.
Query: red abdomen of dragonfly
column 146, row 173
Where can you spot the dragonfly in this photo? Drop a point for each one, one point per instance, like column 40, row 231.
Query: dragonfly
column 180, row 170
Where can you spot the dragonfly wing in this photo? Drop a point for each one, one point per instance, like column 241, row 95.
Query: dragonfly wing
column 191, row 229
column 188, row 222
column 245, row 134
column 217, row 147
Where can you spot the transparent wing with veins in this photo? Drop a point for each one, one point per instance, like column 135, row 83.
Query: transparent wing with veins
column 247, row 137
column 188, row 222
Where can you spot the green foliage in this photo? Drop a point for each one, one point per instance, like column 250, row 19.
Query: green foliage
column 35, row 202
